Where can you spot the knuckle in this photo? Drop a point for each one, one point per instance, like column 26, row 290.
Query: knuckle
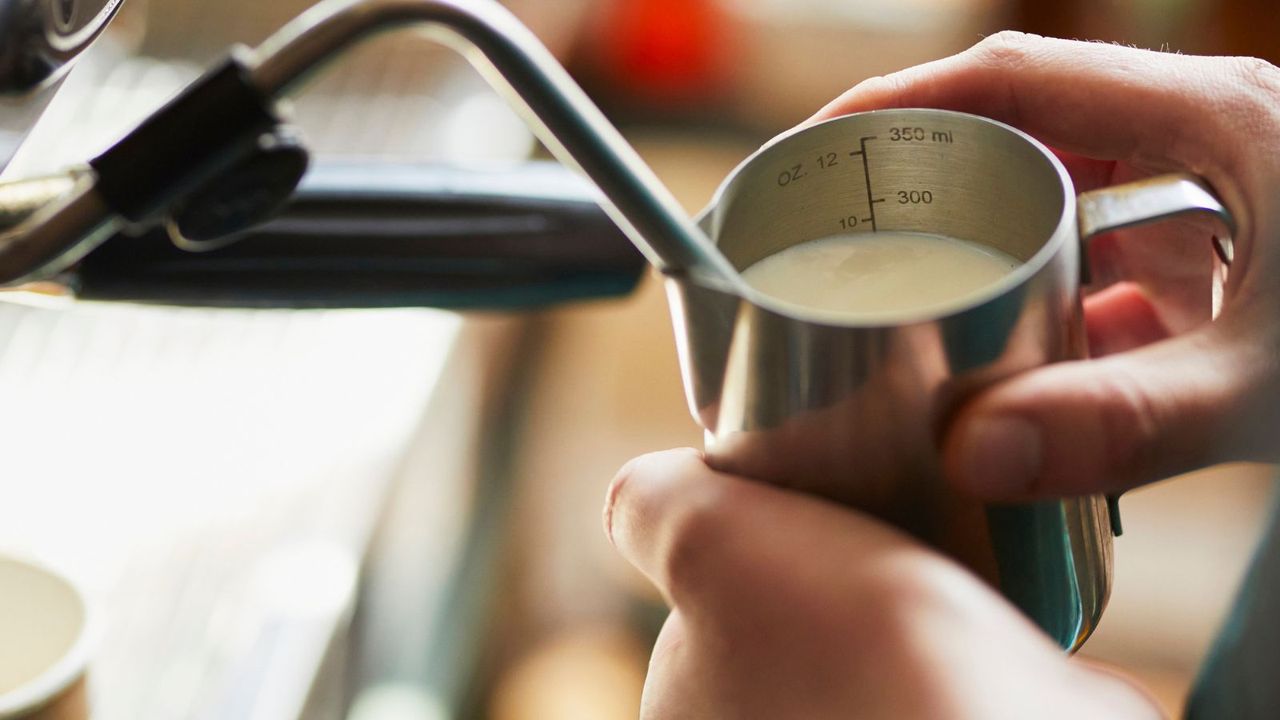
column 1249, row 92
column 899, row 589
column 1006, row 54
column 1007, row 48
column 1256, row 75
column 692, row 537
column 1243, row 104
column 885, row 87
column 1130, row 421
column 902, row 595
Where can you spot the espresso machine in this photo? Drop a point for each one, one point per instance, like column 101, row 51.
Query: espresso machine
column 244, row 218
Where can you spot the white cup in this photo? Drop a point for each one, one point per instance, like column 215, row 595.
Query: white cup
column 44, row 644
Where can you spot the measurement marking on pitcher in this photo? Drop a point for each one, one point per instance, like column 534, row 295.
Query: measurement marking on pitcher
column 866, row 174
column 798, row 171
column 919, row 135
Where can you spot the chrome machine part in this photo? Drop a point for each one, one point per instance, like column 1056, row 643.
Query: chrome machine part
column 54, row 237
column 517, row 63
column 512, row 59
column 38, row 41
column 38, row 38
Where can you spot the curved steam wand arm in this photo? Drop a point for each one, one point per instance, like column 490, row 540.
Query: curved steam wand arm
column 515, row 62
column 510, row 57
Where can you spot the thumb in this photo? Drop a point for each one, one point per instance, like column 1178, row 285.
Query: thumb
column 1102, row 425
column 703, row 537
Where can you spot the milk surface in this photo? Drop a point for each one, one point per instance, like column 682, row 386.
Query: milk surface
column 879, row 274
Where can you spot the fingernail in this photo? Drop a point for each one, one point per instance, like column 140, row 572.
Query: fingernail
column 1000, row 455
column 611, row 496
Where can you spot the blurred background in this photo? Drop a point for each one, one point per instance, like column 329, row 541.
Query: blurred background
column 395, row 514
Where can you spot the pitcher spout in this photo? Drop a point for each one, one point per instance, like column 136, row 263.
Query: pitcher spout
column 703, row 318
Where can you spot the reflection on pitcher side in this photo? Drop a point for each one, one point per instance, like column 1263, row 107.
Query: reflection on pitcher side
column 879, row 275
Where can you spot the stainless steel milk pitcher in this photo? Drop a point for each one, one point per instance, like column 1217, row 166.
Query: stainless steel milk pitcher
column 852, row 410
column 844, row 409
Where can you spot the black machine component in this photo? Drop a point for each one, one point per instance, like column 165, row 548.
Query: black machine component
column 378, row 235
column 207, row 137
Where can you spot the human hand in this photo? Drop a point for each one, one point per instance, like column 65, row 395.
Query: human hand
column 789, row 606
column 1174, row 391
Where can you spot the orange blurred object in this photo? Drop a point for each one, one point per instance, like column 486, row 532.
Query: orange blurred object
column 662, row 52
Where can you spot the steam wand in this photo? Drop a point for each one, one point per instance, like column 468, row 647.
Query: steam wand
column 218, row 126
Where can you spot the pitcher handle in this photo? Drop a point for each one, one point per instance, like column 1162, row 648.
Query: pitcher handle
column 1145, row 201
column 1152, row 200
